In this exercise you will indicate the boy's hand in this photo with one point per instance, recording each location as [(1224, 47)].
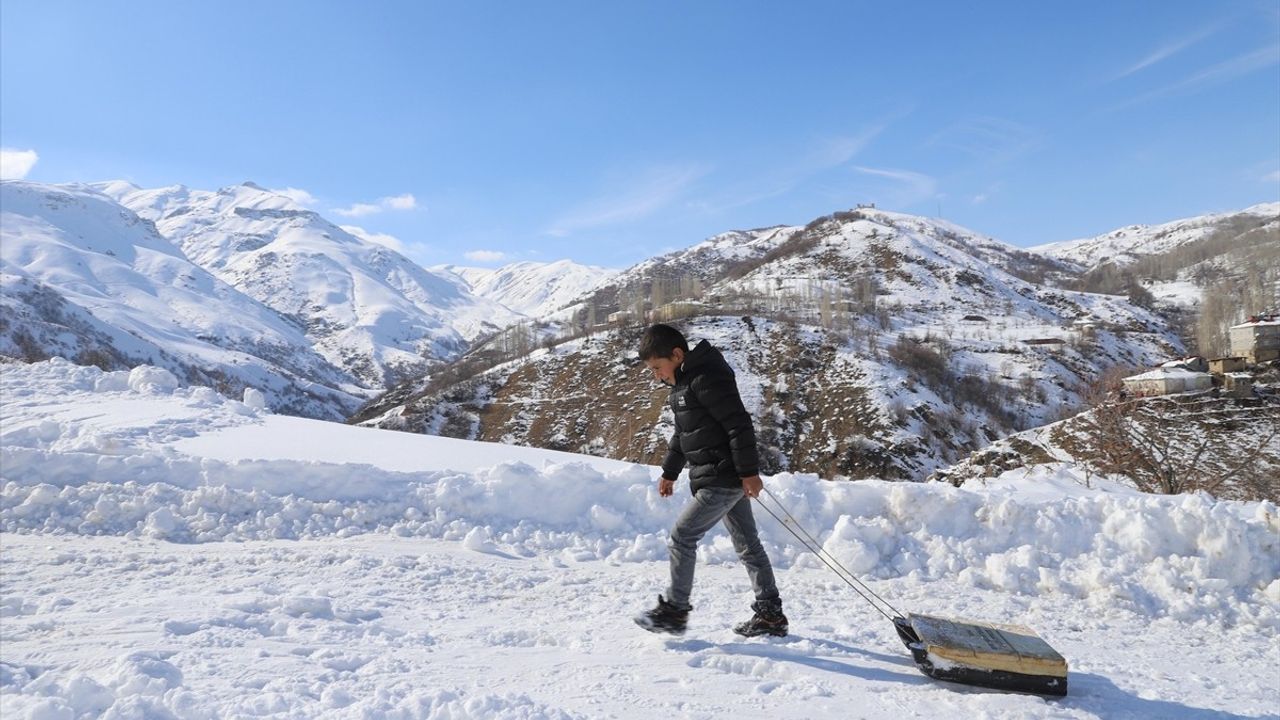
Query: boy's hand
[(752, 486), (666, 486)]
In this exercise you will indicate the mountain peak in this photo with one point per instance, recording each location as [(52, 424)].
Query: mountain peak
[(366, 308), (531, 287)]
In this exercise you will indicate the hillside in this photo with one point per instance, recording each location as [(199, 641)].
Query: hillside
[(1226, 446), (89, 280), (365, 307), (1128, 245), (1204, 274), (868, 344)]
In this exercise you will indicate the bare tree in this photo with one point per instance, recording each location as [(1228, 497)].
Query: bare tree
[(1173, 444)]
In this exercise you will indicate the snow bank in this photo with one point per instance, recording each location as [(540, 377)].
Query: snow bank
[(1192, 557)]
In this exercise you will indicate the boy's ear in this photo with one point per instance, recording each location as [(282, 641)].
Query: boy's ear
[(677, 354)]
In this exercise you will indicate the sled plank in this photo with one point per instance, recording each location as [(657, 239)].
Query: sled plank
[(995, 646)]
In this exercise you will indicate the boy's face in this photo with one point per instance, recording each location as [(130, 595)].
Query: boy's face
[(664, 368)]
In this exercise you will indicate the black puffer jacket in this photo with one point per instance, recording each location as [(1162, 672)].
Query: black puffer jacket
[(714, 434)]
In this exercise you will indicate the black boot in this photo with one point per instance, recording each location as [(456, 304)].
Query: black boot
[(666, 618), (768, 620)]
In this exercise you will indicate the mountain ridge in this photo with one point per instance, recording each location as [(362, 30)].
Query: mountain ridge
[(88, 278), (1123, 246), (367, 308), (533, 289)]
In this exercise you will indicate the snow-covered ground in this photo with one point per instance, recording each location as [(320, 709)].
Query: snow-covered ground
[(171, 553)]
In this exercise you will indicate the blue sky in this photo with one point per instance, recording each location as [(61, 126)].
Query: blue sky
[(607, 132)]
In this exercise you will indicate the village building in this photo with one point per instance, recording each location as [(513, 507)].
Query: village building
[(1238, 384), (1223, 365), (1257, 341), (1194, 364), (1167, 381), (676, 310)]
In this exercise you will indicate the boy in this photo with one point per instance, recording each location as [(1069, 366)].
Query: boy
[(714, 435)]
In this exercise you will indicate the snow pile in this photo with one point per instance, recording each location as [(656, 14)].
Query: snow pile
[(103, 463), (1188, 557)]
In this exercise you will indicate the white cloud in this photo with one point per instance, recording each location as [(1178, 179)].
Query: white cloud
[(913, 187), (987, 193), (837, 151), (359, 210), (826, 154), (15, 164), (989, 139), (1169, 50), (394, 202), (1213, 75), (383, 239), (399, 202), (1271, 177), (656, 189), (485, 256), (1247, 63), (302, 197)]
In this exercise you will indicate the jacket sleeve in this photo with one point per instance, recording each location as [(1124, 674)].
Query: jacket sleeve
[(673, 463), (718, 393)]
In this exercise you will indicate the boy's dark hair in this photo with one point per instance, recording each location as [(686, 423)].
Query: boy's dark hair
[(660, 341)]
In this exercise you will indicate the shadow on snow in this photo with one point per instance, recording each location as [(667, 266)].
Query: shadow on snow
[(1088, 691)]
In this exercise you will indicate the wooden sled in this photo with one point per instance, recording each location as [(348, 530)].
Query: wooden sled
[(1005, 657)]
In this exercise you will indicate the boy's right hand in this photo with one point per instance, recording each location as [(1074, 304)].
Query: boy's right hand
[(666, 486)]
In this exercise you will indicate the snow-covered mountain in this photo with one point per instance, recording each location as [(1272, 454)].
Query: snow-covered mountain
[(867, 343), (1127, 244), (533, 289), (85, 278), (923, 267), (365, 307), (1216, 270), (711, 259)]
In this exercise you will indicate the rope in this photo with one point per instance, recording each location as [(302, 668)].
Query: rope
[(812, 545)]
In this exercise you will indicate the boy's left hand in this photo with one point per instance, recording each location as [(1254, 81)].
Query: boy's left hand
[(666, 486), (752, 486)]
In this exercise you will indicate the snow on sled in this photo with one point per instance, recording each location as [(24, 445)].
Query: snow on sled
[(1005, 657)]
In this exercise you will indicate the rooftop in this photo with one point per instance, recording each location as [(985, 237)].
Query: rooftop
[(1163, 373)]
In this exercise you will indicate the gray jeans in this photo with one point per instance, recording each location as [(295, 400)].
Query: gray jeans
[(709, 506)]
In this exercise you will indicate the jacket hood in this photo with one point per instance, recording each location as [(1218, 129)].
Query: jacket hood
[(703, 355), (699, 355)]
